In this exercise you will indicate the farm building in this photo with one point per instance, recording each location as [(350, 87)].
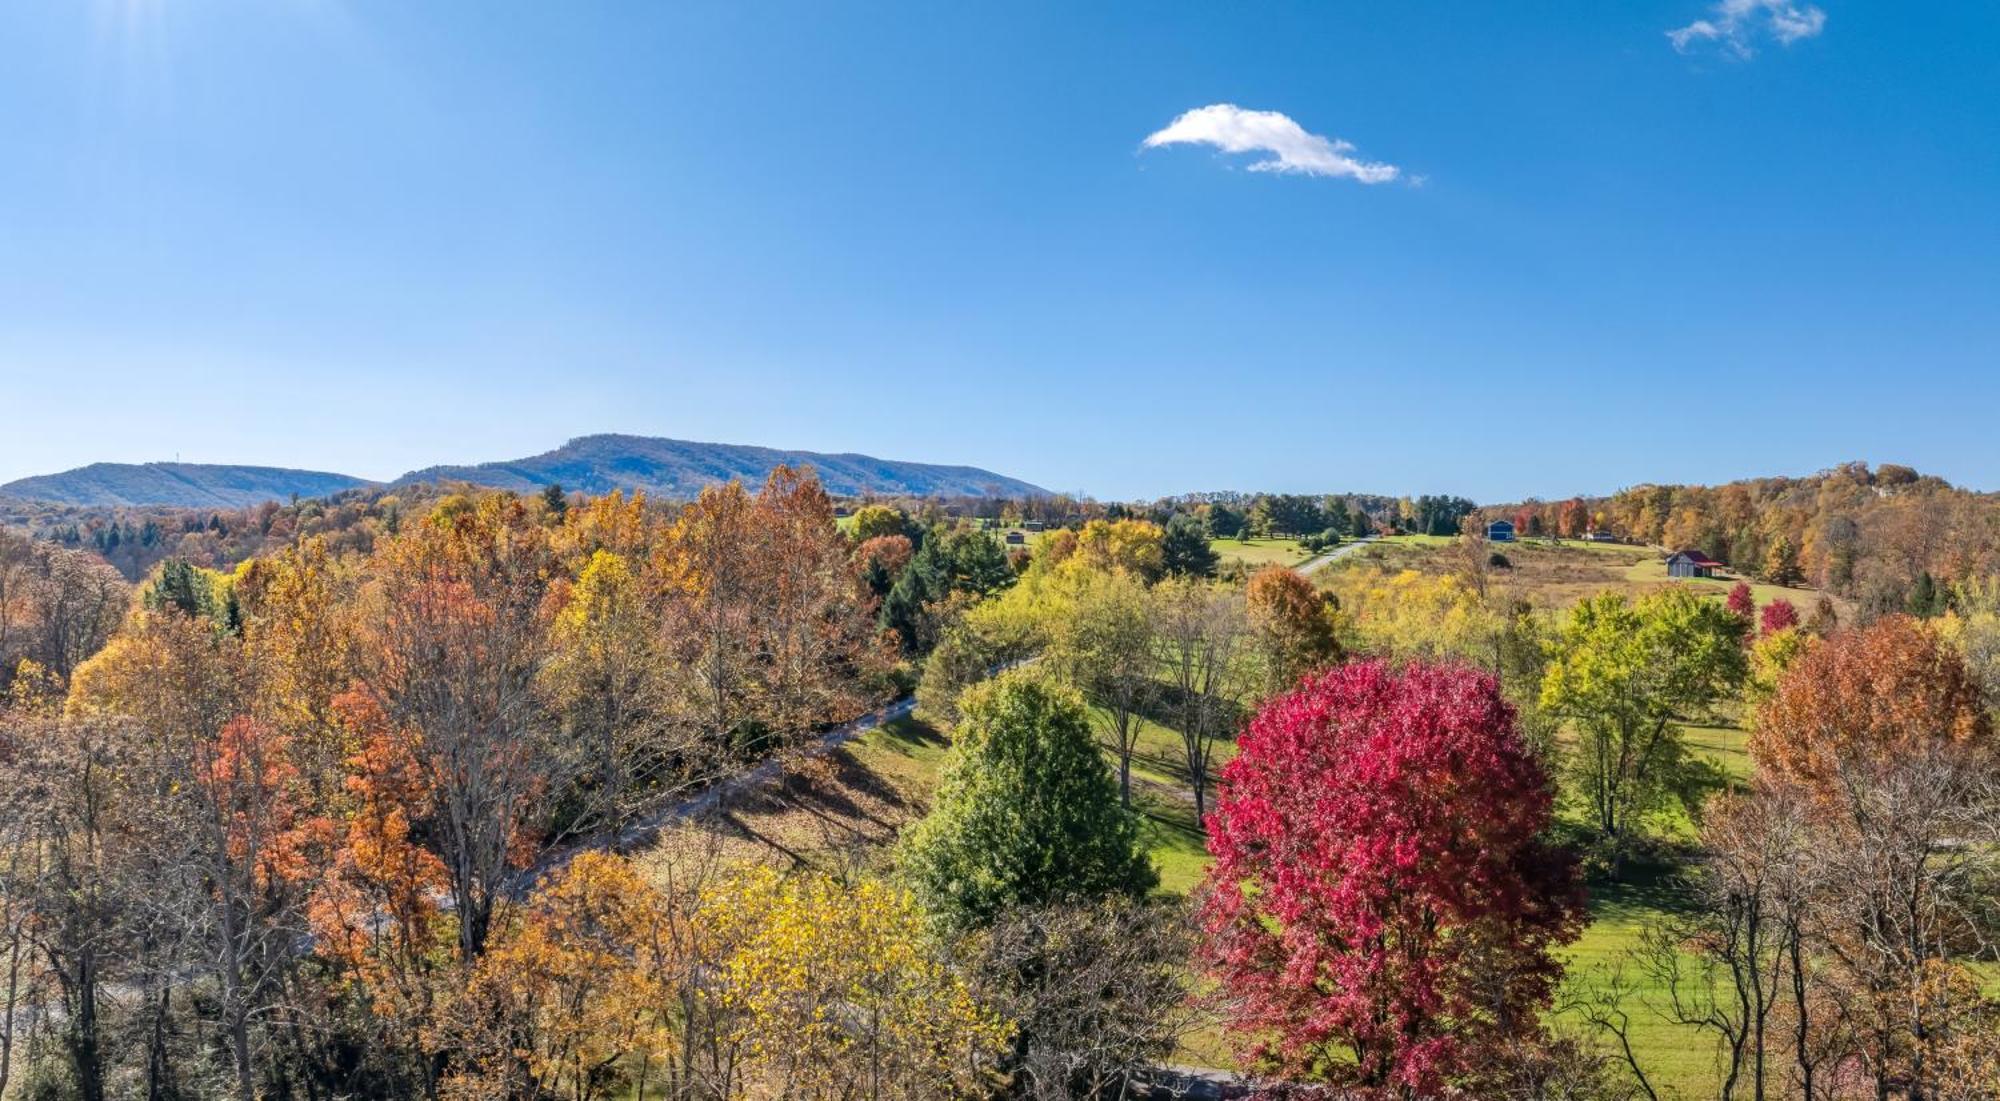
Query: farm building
[(1500, 531), (1691, 563), (1599, 536), (1015, 538)]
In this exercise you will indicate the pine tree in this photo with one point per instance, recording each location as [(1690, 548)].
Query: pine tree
[(1185, 551), (1028, 813), (1927, 599)]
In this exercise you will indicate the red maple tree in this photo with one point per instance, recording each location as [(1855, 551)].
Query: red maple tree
[(1383, 900), (1742, 601), (1778, 615)]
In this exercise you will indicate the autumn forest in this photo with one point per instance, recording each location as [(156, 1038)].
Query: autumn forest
[(447, 791)]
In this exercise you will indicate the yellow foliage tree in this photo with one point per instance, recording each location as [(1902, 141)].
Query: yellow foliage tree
[(1408, 614), (569, 990), (839, 993), (1134, 546)]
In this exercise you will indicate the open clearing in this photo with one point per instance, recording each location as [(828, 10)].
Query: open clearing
[(1555, 574), (1260, 552)]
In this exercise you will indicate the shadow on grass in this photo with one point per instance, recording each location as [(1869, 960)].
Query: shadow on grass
[(911, 737), (1643, 891)]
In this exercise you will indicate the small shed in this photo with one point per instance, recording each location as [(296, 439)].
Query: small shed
[(1034, 525), (1500, 531), (1015, 538), (1691, 563), (1599, 536)]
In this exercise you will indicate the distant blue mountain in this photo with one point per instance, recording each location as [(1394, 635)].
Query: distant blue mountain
[(181, 485), (592, 464), (679, 468)]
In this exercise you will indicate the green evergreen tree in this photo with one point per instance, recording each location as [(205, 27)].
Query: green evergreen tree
[(555, 499), (1185, 552), (978, 561), (1028, 813), (1927, 598)]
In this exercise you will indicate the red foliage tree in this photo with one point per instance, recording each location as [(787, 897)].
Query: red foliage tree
[(1779, 615), (1742, 602), (1382, 900)]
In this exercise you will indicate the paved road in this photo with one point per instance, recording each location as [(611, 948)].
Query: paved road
[(1336, 554)]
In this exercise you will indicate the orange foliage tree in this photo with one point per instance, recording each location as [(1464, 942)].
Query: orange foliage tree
[(1864, 699)]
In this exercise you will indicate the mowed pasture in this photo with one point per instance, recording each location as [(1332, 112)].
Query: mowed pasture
[(1257, 553)]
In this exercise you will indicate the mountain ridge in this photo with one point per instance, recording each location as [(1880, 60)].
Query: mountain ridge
[(681, 468), (179, 485), (593, 464)]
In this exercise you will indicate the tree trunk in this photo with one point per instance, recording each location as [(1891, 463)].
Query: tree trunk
[(85, 1054)]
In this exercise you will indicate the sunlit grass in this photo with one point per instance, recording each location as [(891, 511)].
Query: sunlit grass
[(1260, 552)]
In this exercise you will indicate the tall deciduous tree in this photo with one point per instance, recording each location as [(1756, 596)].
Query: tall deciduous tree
[(1293, 624), (71, 791), (1865, 699), (810, 633), (455, 644), (877, 522), (1781, 563), (1383, 907), (1134, 546), (1104, 644), (1204, 635), (1627, 676), (709, 572), (607, 683), (837, 993)]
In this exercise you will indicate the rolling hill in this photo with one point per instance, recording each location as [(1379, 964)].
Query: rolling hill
[(179, 485), (679, 468)]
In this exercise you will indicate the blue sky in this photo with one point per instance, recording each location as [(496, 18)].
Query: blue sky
[(369, 237)]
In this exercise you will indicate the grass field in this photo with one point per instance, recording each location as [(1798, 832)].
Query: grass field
[(1555, 574), (1652, 573), (1260, 552)]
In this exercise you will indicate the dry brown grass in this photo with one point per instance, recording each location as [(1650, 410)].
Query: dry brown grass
[(838, 811), (1557, 575)]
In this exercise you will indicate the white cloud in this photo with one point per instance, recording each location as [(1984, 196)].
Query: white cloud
[(1291, 147), (1735, 25)]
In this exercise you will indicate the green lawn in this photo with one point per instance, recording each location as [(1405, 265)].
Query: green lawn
[(1260, 552), (1678, 1059)]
